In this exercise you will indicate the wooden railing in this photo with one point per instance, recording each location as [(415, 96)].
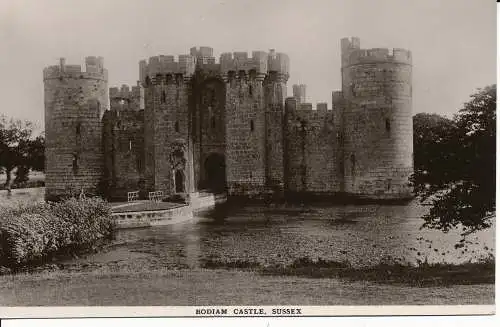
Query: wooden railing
[(156, 196), (132, 196)]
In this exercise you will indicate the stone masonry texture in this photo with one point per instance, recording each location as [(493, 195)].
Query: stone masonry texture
[(192, 124)]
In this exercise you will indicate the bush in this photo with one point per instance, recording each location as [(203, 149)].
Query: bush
[(36, 231)]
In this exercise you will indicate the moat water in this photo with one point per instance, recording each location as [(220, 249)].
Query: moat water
[(363, 235), (257, 234)]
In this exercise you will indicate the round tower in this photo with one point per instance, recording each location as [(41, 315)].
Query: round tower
[(75, 101), (377, 121)]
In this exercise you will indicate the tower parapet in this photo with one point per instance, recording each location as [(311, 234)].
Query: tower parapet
[(239, 61), (379, 55), (352, 54), (163, 65), (94, 69)]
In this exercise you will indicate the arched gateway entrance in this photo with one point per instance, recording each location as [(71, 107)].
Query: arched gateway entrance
[(215, 173)]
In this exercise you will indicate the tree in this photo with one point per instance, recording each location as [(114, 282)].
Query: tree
[(455, 164), (18, 149), (36, 153)]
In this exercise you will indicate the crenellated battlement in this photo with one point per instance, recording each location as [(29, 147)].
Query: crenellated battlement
[(166, 65), (94, 69), (239, 61), (261, 63), (305, 112), (379, 55), (202, 51), (125, 92), (352, 54)]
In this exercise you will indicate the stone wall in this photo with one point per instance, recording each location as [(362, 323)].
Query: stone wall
[(209, 133), (245, 130), (166, 116), (275, 94), (123, 140), (149, 138), (311, 150), (75, 101)]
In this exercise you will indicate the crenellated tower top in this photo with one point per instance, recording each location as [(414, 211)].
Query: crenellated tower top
[(166, 65), (94, 69), (352, 54)]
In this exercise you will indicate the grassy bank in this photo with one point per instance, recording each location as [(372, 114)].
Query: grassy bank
[(387, 271)]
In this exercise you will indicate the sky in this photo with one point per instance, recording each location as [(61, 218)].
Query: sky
[(453, 42)]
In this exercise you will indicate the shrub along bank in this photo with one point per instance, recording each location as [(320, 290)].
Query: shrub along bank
[(33, 233)]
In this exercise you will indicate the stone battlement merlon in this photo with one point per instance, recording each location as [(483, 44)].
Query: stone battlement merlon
[(94, 69)]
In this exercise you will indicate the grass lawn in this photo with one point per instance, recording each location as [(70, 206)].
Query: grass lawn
[(36, 179), (220, 287), (22, 195)]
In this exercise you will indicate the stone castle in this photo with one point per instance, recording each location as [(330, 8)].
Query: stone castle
[(228, 126)]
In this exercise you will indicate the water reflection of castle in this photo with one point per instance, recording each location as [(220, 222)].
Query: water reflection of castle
[(195, 124)]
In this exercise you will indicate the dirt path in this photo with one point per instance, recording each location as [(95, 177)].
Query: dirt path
[(220, 287)]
